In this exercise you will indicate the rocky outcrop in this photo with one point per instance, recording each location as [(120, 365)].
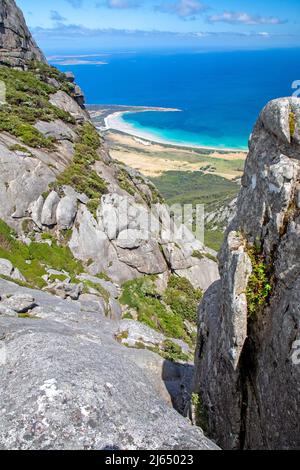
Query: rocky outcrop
[(85, 391), (16, 44), (249, 322), (69, 104)]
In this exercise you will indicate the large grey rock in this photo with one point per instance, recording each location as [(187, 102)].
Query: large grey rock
[(85, 390), (35, 209), (48, 216), (88, 240), (202, 274), (246, 372), (57, 129), (63, 101), (17, 46), (134, 333), (131, 238), (176, 257), (66, 212), (147, 259)]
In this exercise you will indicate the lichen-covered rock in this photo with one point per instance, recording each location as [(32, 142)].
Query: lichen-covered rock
[(249, 322)]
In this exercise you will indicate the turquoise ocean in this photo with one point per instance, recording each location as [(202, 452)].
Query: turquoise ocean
[(220, 94)]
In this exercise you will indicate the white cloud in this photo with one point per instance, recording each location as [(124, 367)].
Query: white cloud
[(122, 4), (183, 8), (243, 18)]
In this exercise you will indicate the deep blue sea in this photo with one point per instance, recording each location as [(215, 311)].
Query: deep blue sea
[(220, 94)]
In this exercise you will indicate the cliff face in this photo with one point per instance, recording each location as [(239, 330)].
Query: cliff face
[(249, 321), (16, 44)]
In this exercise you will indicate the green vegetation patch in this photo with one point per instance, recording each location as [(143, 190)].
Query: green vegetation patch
[(166, 313), (214, 239), (125, 182), (183, 299), (292, 123), (32, 260), (173, 352), (201, 416), (27, 101), (259, 285), (46, 71), (195, 187)]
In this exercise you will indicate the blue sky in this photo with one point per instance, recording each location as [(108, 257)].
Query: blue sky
[(96, 25)]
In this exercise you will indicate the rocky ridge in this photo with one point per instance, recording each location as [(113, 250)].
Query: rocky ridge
[(246, 376), (17, 46)]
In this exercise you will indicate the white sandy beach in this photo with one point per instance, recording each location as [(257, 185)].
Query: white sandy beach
[(116, 122)]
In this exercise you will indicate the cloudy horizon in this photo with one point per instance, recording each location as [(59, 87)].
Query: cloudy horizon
[(62, 25)]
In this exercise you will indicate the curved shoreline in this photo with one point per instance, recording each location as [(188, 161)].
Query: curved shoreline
[(115, 122)]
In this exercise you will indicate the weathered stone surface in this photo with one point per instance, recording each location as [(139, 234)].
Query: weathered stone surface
[(20, 303), (35, 210), (57, 129), (66, 212), (22, 181), (131, 238), (63, 101), (245, 371), (176, 257), (70, 192), (275, 117), (7, 311), (88, 240), (147, 259), (202, 274), (93, 390), (16, 44), (48, 216), (135, 334)]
